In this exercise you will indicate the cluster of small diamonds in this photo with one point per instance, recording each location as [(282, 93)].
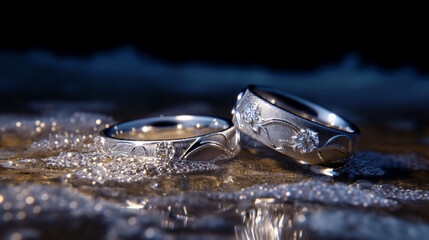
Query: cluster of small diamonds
[(165, 151), (251, 113), (305, 141)]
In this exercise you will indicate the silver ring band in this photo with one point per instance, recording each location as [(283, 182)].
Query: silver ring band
[(181, 137), (295, 127)]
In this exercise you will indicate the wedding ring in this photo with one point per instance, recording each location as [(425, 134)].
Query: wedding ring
[(295, 127), (181, 137)]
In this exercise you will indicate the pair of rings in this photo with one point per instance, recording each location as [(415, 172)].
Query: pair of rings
[(295, 127)]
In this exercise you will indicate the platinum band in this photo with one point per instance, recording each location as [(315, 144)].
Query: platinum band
[(183, 137), (295, 127)]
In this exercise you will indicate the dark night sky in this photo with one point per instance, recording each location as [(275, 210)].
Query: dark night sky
[(143, 61), (283, 43)]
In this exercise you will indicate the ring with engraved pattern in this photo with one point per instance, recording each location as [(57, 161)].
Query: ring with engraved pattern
[(183, 137), (302, 130)]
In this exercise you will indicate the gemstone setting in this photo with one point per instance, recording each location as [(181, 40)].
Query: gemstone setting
[(251, 113), (165, 151), (305, 141)]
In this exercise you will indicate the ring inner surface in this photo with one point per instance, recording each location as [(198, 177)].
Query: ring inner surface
[(167, 128), (304, 108)]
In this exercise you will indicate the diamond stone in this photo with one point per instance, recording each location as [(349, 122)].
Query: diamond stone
[(251, 113), (305, 141), (165, 151)]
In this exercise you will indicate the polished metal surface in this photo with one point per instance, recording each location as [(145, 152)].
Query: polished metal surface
[(183, 137), (295, 127)]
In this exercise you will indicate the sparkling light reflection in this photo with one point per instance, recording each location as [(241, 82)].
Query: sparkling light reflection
[(185, 118)]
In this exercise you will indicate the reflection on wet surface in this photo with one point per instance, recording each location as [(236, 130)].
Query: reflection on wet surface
[(54, 174), (268, 220)]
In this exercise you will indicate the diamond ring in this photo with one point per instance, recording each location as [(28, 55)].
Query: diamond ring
[(293, 126), (181, 137)]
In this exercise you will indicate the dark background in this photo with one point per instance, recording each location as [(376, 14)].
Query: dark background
[(389, 46), (283, 38), (339, 64)]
